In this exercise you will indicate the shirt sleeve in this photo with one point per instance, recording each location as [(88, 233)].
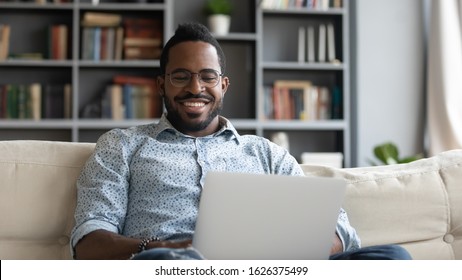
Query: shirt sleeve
[(347, 233), (102, 188)]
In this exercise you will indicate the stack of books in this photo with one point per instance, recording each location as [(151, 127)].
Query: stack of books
[(35, 101), (131, 97)]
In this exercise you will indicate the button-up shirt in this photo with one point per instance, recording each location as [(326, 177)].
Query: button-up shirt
[(146, 181)]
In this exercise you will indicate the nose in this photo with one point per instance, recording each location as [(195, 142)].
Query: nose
[(195, 84)]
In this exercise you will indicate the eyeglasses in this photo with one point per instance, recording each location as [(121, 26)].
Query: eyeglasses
[(207, 77)]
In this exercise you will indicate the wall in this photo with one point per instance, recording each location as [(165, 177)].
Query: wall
[(387, 76)]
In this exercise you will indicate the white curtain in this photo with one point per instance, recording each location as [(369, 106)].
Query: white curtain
[(444, 96)]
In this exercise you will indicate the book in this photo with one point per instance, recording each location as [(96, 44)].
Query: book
[(337, 3), (93, 19), (27, 56), (23, 98), (322, 43), (136, 80), (12, 101), (35, 95), (109, 49), (142, 42), (53, 101), (143, 27), (310, 44), (58, 38), (336, 103), (142, 52), (127, 100), (331, 44), (4, 41), (88, 46), (324, 104), (150, 86), (141, 101), (103, 43), (112, 106), (303, 91), (62, 42), (118, 48), (67, 101), (96, 55), (301, 44), (3, 101), (143, 38)]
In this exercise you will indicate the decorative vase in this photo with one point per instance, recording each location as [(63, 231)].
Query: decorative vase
[(219, 24)]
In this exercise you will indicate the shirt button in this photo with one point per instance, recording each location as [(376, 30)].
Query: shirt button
[(448, 238)]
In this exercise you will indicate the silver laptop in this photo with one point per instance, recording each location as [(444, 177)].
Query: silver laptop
[(267, 217)]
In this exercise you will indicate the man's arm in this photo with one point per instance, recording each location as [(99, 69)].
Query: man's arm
[(106, 245)]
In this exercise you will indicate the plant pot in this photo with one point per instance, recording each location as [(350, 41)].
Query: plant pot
[(219, 24)]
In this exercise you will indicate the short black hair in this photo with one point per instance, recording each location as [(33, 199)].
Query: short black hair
[(192, 31)]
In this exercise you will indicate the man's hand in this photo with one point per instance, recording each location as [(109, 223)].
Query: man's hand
[(105, 245), (169, 244)]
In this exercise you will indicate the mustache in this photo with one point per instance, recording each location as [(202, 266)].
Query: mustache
[(195, 96)]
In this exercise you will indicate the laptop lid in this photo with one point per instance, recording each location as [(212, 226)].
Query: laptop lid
[(250, 216)]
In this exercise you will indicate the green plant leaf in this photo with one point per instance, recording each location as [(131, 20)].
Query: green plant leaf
[(213, 7), (410, 159), (387, 153)]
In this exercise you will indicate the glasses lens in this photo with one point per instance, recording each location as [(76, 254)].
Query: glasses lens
[(180, 78), (207, 77)]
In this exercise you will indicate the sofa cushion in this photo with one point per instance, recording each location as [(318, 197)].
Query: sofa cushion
[(417, 205), (37, 197)]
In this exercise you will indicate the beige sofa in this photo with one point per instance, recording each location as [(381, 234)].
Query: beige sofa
[(417, 205)]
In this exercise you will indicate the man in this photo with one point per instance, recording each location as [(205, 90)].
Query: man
[(139, 192)]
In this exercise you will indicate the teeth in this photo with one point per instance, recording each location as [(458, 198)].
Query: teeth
[(194, 104)]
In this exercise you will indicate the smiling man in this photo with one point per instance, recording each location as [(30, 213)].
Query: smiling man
[(193, 86), (138, 193)]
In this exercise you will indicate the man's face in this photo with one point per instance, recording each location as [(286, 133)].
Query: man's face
[(194, 107)]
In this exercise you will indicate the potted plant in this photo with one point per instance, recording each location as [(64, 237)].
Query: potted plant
[(218, 16), (387, 153)]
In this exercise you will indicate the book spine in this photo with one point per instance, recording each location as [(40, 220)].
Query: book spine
[(322, 43), (35, 95)]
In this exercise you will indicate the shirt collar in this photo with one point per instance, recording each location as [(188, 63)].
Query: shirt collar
[(226, 127)]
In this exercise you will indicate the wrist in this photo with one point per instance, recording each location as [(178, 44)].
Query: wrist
[(143, 245)]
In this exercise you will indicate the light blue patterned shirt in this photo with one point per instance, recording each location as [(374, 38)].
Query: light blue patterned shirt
[(146, 181)]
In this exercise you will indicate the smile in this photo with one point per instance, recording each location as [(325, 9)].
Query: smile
[(194, 104)]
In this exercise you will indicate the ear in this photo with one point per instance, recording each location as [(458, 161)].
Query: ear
[(224, 85), (161, 85)]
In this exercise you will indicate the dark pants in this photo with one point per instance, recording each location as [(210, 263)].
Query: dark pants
[(384, 252)]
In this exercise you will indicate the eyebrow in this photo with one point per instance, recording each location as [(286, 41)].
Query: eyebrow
[(184, 69)]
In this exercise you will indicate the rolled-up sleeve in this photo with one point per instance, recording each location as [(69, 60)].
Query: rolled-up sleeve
[(102, 188), (347, 233)]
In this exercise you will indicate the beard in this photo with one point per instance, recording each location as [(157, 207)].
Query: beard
[(175, 118)]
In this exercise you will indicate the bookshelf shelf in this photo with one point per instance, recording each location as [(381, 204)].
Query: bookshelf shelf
[(119, 64), (34, 6), (30, 124), (303, 66), (36, 63), (304, 11), (261, 48)]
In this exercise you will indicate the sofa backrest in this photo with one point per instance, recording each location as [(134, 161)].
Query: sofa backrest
[(417, 205), (37, 197)]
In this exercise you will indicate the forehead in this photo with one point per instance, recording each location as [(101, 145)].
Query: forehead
[(193, 56)]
